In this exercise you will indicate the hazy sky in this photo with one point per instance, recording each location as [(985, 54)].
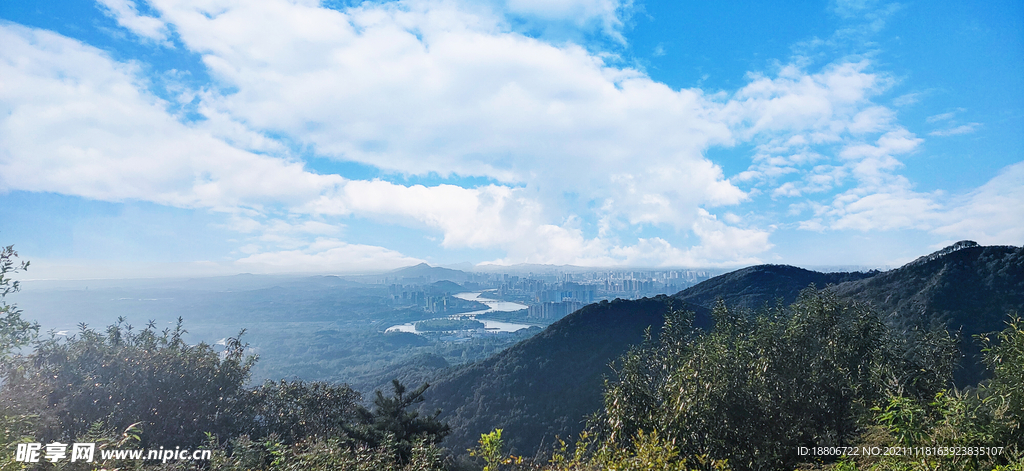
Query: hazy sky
[(224, 136)]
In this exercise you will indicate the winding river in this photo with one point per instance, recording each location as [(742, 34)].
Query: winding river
[(489, 325)]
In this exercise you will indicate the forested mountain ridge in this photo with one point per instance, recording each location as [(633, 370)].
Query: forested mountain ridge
[(969, 288), (547, 385), (752, 287), (965, 287)]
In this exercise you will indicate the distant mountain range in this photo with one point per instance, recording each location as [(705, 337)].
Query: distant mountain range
[(429, 274), (547, 385)]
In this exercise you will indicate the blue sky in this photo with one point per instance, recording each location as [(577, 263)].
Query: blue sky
[(191, 137)]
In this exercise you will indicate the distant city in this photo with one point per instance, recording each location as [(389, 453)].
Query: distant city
[(548, 296)]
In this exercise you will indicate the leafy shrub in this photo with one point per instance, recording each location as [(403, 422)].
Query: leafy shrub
[(756, 387), (1004, 356), (15, 332), (986, 416), (124, 376), (326, 453), (296, 410)]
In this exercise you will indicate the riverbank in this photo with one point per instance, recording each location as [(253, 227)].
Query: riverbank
[(490, 325)]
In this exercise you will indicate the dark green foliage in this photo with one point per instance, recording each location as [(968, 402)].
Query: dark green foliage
[(404, 339), (521, 316), (391, 420), (545, 387), (417, 369), (94, 385), (15, 332), (123, 376), (326, 454), (757, 386), (964, 288), (296, 410), (986, 416), (1004, 356), (317, 426), (753, 287), (366, 359), (448, 324)]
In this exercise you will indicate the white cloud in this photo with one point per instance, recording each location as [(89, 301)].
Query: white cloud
[(128, 17), (850, 8), (957, 130), (415, 90), (468, 217), (991, 214), (497, 216), (79, 123), (940, 117), (717, 238), (565, 9), (871, 120), (950, 123), (419, 87), (882, 211), (820, 132), (796, 119), (277, 232), (787, 189), (906, 99), (116, 142), (327, 256), (821, 105), (720, 245), (603, 12), (881, 199)]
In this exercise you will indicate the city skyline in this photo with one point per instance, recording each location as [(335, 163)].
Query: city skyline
[(212, 137)]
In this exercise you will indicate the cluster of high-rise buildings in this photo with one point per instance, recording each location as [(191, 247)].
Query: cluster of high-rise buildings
[(549, 296), (428, 300)]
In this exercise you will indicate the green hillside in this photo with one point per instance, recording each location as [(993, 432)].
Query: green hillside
[(544, 386), (547, 385)]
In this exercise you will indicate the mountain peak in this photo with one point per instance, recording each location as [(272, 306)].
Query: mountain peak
[(963, 244), (430, 273)]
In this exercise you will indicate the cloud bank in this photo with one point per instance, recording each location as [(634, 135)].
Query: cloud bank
[(578, 155)]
